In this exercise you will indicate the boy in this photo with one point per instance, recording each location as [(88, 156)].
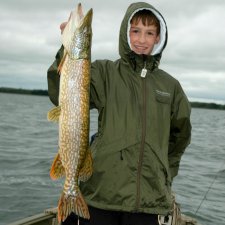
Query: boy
[(143, 125)]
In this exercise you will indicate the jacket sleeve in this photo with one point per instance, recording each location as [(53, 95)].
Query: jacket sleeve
[(97, 85), (180, 132), (53, 78)]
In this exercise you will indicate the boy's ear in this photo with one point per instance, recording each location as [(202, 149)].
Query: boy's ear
[(157, 39)]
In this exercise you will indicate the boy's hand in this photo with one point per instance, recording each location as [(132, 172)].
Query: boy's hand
[(63, 25)]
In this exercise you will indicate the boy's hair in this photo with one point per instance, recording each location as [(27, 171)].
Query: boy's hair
[(147, 17)]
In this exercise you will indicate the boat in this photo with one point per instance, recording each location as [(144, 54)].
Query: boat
[(49, 217)]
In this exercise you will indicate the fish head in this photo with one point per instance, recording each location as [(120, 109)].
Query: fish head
[(77, 34)]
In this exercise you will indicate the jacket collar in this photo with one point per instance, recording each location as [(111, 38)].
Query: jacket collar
[(139, 62)]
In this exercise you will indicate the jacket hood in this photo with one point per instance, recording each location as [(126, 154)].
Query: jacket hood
[(124, 46)]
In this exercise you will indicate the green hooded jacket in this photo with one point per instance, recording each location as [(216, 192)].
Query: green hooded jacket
[(143, 127)]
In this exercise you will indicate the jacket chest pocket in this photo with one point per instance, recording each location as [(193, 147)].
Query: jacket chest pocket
[(163, 106), (162, 97)]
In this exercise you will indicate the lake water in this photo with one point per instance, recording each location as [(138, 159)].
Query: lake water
[(28, 144)]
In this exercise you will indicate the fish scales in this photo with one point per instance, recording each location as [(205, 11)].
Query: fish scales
[(74, 118), (74, 158)]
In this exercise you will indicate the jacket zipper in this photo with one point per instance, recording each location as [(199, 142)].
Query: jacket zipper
[(143, 74)]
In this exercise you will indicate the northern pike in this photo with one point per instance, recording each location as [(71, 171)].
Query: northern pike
[(74, 158)]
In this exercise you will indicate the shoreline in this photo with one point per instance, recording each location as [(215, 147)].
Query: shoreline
[(41, 92), (23, 91)]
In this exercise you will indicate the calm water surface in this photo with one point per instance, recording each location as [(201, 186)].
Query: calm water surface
[(28, 144)]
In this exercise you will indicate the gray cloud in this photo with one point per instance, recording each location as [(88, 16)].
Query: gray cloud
[(30, 38)]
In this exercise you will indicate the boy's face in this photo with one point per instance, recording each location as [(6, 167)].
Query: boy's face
[(143, 38)]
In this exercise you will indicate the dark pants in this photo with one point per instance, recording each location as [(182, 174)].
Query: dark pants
[(106, 217)]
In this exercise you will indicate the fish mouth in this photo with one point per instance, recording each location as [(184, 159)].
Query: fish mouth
[(87, 20), (77, 35), (84, 20)]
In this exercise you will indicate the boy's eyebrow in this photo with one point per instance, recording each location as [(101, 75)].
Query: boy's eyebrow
[(136, 27)]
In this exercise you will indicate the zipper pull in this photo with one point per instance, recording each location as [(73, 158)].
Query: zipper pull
[(144, 71)]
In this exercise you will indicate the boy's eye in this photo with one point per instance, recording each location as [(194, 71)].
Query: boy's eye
[(151, 33), (134, 31)]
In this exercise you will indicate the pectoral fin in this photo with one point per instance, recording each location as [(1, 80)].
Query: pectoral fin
[(53, 114)]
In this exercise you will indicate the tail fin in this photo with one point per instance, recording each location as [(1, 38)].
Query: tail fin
[(69, 204)]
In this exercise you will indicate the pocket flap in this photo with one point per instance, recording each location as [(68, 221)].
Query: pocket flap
[(162, 96)]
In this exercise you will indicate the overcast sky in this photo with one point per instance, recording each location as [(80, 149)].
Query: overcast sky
[(195, 53)]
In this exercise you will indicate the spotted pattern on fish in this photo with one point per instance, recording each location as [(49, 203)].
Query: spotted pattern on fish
[(74, 157), (74, 119)]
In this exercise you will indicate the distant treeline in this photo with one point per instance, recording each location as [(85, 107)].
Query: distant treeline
[(23, 91), (207, 105), (45, 93)]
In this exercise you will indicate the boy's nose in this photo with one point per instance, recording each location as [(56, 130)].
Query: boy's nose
[(142, 38)]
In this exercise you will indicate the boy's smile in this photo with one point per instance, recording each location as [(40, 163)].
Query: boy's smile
[(143, 38)]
